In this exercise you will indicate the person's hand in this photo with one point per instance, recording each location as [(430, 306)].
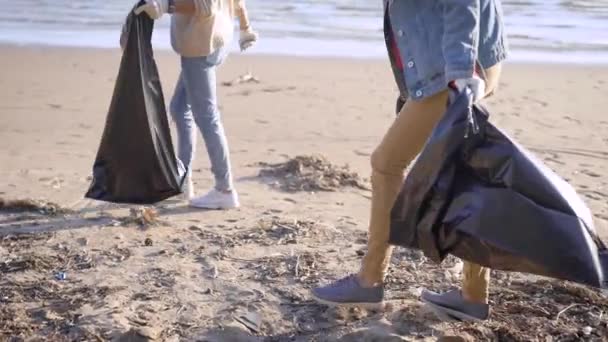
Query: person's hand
[(475, 84), (154, 8), (123, 37), (247, 39)]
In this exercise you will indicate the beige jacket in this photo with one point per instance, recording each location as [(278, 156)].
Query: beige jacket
[(200, 35)]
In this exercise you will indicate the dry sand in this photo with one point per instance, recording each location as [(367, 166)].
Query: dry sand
[(243, 275)]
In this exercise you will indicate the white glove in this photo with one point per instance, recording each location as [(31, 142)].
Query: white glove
[(247, 39), (154, 8), (123, 37), (475, 84)]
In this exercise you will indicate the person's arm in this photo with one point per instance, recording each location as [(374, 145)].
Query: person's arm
[(241, 13), (460, 37), (185, 7), (157, 8), (248, 37)]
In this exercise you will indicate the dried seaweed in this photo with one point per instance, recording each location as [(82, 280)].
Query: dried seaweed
[(312, 173)]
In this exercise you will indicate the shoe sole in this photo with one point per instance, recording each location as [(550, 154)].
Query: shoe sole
[(368, 306), (452, 315), (213, 207), (183, 197), (441, 315)]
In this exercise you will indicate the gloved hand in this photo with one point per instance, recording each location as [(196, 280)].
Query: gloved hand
[(247, 38), (475, 84), (123, 37), (154, 8)]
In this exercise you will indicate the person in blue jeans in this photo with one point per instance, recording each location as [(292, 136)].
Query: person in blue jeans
[(200, 33), (433, 45)]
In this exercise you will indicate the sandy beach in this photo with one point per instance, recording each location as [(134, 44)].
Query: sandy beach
[(244, 275)]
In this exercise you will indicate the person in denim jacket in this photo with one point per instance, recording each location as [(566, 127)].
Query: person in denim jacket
[(433, 45)]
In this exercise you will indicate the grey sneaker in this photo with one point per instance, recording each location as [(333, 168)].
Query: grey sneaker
[(348, 292), (452, 306)]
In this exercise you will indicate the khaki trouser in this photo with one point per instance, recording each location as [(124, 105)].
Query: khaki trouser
[(400, 145)]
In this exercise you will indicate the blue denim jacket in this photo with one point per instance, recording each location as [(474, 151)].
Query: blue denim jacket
[(433, 42)]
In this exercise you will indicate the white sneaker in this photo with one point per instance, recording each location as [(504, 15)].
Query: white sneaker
[(187, 190), (217, 200)]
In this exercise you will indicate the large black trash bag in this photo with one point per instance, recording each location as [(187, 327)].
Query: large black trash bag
[(135, 162), (476, 194)]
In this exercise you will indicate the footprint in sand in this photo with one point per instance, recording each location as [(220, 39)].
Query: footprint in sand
[(571, 119), (241, 93), (272, 90), (362, 153), (591, 174), (602, 217)]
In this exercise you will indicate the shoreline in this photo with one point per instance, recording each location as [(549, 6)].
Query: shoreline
[(519, 57)]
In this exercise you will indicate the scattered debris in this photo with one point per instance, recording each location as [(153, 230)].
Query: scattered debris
[(23, 261), (245, 78), (117, 254), (159, 278), (280, 232), (31, 205), (61, 276), (33, 304), (28, 262), (587, 330), (143, 217), (312, 173), (303, 268), (55, 319), (251, 321), (522, 310)]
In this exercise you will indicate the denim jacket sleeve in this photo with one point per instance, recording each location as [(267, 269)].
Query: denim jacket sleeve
[(460, 37)]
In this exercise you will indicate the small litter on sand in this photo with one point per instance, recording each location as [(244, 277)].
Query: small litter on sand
[(278, 232), (245, 78), (312, 173), (143, 217)]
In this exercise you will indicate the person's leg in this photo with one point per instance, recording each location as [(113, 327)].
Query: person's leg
[(476, 279), (200, 83), (186, 133), (471, 302), (475, 283), (403, 141)]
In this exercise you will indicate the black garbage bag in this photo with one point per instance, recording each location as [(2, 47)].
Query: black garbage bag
[(478, 195), (135, 162)]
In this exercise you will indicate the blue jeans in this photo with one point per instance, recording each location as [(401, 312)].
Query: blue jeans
[(195, 101)]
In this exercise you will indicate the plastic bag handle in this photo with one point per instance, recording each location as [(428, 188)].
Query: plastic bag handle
[(454, 93)]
